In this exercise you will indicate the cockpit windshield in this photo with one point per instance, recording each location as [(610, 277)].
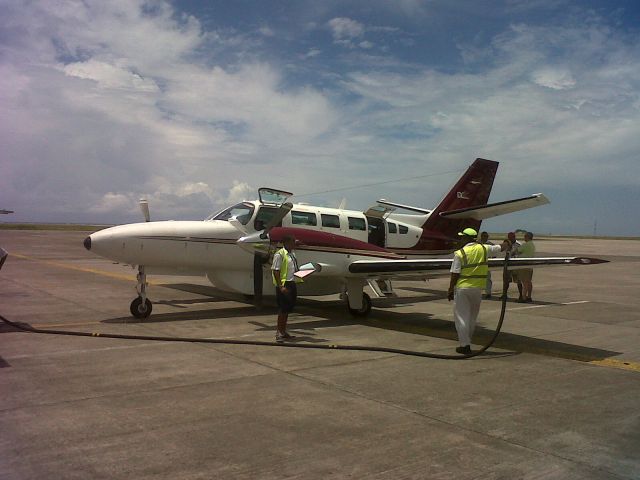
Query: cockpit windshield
[(242, 211)]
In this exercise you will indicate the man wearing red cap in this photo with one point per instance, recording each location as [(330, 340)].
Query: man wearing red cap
[(468, 278)]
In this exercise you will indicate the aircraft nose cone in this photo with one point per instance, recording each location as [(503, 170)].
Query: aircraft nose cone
[(87, 243)]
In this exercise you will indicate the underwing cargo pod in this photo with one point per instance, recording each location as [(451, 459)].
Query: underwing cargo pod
[(347, 249)]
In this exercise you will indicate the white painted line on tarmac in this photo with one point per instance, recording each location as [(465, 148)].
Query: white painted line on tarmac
[(549, 305), (85, 350)]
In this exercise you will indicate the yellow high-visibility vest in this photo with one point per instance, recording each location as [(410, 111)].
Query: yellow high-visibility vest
[(284, 268), (473, 259)]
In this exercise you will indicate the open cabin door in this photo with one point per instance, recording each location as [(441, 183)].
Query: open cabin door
[(377, 224)]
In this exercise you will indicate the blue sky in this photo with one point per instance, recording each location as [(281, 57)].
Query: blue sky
[(195, 104)]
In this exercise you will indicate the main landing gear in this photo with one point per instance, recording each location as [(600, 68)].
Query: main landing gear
[(141, 306), (364, 310)]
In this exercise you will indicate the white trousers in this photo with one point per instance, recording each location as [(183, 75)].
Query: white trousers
[(466, 306), (487, 290)]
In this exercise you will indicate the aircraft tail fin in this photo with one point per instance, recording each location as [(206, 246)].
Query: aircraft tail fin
[(471, 190)]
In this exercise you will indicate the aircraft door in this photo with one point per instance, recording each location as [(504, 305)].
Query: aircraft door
[(377, 234), (265, 214)]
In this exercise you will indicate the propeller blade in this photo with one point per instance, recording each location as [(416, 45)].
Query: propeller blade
[(277, 218), (144, 207)]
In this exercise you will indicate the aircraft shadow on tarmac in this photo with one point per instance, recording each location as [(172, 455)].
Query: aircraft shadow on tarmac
[(332, 313)]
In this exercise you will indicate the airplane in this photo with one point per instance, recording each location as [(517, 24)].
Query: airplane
[(346, 249)]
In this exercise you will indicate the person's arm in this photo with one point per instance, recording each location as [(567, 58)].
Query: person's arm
[(277, 262), (282, 288)]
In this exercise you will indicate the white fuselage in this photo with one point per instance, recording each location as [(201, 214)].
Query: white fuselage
[(210, 247)]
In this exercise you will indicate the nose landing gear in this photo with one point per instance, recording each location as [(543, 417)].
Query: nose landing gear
[(141, 306)]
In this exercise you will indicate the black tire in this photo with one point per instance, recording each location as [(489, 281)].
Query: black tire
[(141, 311), (366, 306)]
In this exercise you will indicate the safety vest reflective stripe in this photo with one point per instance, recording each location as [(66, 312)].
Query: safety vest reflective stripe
[(474, 269)]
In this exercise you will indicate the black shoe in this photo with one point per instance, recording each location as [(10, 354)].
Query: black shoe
[(528, 300), (521, 300), (466, 350), (487, 296)]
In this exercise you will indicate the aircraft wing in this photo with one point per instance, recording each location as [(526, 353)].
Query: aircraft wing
[(441, 266), (489, 210)]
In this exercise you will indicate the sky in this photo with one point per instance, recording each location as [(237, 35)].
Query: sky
[(195, 104)]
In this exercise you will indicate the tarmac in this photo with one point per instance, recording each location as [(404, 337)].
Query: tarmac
[(557, 397)]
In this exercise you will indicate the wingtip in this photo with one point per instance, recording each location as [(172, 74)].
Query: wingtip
[(588, 261)]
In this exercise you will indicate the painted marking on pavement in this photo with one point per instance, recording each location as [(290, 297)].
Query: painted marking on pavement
[(548, 305), (620, 364), (52, 326), (118, 276)]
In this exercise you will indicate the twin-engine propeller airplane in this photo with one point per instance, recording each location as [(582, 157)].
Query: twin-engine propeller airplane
[(346, 249)]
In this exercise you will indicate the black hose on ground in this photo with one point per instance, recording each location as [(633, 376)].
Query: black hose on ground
[(361, 348)]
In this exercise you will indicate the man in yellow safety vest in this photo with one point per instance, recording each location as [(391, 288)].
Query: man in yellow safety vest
[(283, 268), (468, 277)]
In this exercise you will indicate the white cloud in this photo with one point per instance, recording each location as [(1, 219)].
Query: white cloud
[(314, 52), (554, 78), (110, 76), (241, 191), (104, 102), (266, 31), (345, 28), (113, 202)]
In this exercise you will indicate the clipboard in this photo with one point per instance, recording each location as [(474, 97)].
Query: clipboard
[(307, 269), (303, 273)]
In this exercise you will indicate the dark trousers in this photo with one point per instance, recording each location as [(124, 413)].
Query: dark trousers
[(287, 301)]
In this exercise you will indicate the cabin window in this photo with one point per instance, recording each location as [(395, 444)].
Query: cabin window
[(303, 218), (357, 224), (331, 221), (392, 227), (403, 229), (242, 211), (264, 216)]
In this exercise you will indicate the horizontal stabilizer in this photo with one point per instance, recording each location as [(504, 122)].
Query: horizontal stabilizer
[(494, 209), (382, 201)]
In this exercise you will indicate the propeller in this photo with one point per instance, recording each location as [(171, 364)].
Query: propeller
[(144, 207)]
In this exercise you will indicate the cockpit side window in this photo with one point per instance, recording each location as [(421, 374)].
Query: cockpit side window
[(242, 211)]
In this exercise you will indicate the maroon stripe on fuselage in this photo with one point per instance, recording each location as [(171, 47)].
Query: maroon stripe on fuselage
[(324, 241)]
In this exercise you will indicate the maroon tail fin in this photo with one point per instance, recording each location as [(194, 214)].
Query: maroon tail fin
[(471, 190)]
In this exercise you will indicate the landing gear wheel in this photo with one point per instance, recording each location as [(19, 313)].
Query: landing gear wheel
[(140, 310), (366, 307)]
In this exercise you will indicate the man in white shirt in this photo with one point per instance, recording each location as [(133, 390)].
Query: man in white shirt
[(513, 274), (283, 268), (468, 277)]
